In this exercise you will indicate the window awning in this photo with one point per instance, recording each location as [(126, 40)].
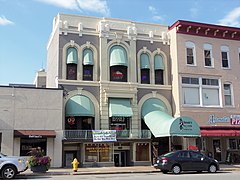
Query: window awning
[(161, 124), (144, 60), (72, 57), (35, 133), (158, 62), (120, 107), (79, 106), (118, 56), (87, 57), (220, 131)]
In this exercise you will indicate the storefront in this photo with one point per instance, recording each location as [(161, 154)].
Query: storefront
[(221, 138), (30, 139)]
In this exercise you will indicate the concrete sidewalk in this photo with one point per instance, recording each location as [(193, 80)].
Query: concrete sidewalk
[(112, 170)]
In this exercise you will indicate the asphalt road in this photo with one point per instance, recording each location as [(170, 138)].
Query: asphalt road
[(143, 176)]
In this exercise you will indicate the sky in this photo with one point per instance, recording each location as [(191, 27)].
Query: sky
[(25, 25)]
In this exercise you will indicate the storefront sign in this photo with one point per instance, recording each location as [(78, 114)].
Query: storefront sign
[(35, 136), (235, 119), (104, 135), (212, 119)]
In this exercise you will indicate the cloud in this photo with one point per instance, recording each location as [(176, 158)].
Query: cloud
[(232, 18), (155, 15), (4, 21), (97, 6)]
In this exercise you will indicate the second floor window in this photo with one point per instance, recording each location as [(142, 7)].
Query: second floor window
[(72, 61), (227, 95), (145, 68), (118, 64), (225, 56), (159, 69), (88, 64), (190, 52), (208, 55)]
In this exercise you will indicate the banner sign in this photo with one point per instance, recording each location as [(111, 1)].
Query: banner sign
[(104, 135)]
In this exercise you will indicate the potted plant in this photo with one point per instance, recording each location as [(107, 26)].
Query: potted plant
[(38, 162)]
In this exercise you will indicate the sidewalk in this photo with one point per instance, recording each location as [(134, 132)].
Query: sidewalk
[(112, 170)]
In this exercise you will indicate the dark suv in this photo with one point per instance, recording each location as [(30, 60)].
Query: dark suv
[(186, 160)]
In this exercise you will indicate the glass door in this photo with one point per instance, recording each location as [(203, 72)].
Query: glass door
[(217, 153)]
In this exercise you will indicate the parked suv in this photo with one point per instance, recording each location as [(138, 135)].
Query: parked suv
[(12, 165), (186, 160)]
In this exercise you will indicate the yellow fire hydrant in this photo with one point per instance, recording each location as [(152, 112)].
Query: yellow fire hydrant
[(75, 164)]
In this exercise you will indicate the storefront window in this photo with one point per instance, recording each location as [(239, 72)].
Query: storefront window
[(233, 144), (142, 152), (98, 152), (28, 144)]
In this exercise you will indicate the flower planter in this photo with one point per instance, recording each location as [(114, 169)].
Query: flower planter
[(39, 169)]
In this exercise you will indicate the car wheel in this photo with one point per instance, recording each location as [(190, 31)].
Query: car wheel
[(164, 171), (176, 169), (212, 168), (8, 172)]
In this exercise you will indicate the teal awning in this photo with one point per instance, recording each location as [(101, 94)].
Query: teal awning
[(72, 57), (144, 60), (87, 57), (161, 124), (158, 62), (79, 106), (118, 56), (120, 107)]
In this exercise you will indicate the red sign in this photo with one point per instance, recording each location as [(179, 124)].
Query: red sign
[(71, 120)]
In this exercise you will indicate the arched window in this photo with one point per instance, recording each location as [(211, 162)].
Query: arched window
[(118, 64), (145, 68), (159, 69), (72, 60), (88, 64)]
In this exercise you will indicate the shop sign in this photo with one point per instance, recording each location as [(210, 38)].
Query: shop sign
[(97, 149), (35, 136), (118, 119), (235, 119), (104, 135)]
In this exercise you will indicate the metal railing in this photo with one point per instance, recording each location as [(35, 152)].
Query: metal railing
[(120, 134)]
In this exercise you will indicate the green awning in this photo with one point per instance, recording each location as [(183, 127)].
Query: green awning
[(118, 56), (161, 124), (120, 107), (144, 60), (87, 57), (79, 106), (158, 62), (72, 57)]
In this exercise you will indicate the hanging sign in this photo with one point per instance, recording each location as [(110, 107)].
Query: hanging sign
[(104, 135)]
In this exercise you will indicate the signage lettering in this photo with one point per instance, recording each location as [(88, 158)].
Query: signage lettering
[(212, 119)]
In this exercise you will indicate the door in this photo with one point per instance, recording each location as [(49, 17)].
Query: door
[(120, 158), (217, 153), (69, 156), (117, 159)]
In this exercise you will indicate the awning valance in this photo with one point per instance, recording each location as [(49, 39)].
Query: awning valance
[(79, 106), (35, 133), (87, 57), (216, 131), (118, 56), (144, 61), (120, 107), (72, 57), (161, 124)]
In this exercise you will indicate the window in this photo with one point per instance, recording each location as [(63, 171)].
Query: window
[(118, 64), (227, 95), (145, 68), (72, 60), (200, 91), (142, 152), (98, 152), (225, 56), (208, 55), (88, 64), (190, 51), (159, 69)]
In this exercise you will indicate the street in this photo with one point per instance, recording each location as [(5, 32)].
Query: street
[(142, 176)]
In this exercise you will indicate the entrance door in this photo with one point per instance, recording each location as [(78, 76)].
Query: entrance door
[(217, 149), (120, 158), (69, 156)]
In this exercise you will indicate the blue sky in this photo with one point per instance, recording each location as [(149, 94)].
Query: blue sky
[(25, 25)]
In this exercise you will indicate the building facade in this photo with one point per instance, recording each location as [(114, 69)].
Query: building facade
[(114, 74), (205, 68)]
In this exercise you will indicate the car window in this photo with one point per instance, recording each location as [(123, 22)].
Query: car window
[(196, 155), (184, 154)]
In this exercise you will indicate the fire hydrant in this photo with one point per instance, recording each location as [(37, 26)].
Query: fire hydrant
[(75, 164)]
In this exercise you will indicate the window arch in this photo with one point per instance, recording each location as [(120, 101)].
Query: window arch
[(88, 62), (145, 68), (72, 61), (159, 69), (118, 64)]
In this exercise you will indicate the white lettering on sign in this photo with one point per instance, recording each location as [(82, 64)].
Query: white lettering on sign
[(212, 119), (235, 119)]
